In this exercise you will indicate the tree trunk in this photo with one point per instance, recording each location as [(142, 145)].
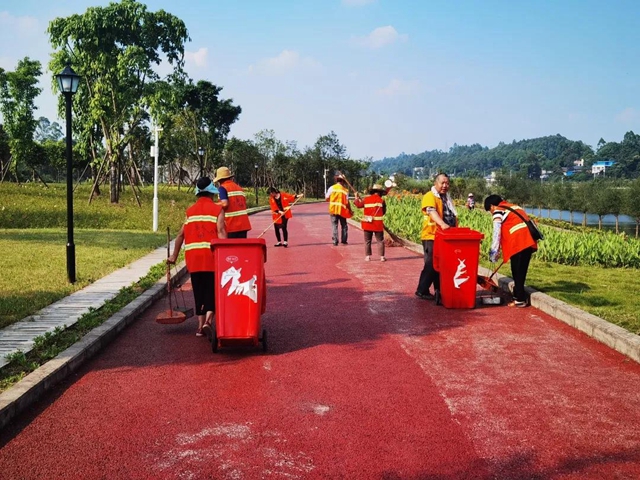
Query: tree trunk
[(584, 219), (113, 183), (36, 173), (599, 222), (571, 217), (617, 225)]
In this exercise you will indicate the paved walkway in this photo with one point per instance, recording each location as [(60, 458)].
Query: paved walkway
[(66, 312)]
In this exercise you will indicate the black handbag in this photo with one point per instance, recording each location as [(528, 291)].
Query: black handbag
[(535, 232)]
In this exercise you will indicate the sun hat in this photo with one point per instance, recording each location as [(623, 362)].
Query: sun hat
[(377, 188), (222, 173), (204, 184), (471, 194)]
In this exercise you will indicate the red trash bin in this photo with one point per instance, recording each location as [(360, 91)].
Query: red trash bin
[(456, 252), (240, 291)]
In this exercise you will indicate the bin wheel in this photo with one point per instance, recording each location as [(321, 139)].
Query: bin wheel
[(437, 295), (214, 341), (264, 341)]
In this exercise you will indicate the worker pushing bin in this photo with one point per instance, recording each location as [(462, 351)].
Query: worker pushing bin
[(240, 291), (455, 255)]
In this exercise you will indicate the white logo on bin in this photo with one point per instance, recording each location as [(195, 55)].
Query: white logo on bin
[(231, 259), (458, 278), (248, 288)]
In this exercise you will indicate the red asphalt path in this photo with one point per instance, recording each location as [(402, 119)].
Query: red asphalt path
[(362, 380)]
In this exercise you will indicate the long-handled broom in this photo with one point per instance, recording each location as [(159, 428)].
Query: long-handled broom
[(174, 314)]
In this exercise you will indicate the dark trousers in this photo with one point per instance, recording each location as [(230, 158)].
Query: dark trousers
[(519, 268), (428, 275), (282, 226), (368, 236), (241, 234), (335, 219)]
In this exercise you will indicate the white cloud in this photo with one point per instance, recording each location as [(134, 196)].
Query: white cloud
[(356, 3), (198, 59), (22, 26), (380, 37), (286, 61), (628, 115), (398, 87)]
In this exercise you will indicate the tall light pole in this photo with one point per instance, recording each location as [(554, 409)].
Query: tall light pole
[(156, 155), (68, 82), (256, 183), (201, 160)]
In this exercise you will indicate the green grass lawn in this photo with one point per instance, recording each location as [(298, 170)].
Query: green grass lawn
[(34, 272), (609, 293)]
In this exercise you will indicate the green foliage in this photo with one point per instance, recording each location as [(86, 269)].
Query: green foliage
[(18, 91)]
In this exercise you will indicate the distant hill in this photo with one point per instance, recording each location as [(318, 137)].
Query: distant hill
[(549, 153)]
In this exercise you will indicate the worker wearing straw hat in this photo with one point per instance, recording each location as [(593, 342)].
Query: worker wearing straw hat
[(372, 219), (339, 208), (205, 222), (234, 203)]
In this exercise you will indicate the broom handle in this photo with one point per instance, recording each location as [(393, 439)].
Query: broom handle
[(496, 270), (279, 217)]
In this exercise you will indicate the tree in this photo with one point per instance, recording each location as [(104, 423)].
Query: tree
[(632, 203), (115, 49), (45, 130), (18, 91), (5, 152)]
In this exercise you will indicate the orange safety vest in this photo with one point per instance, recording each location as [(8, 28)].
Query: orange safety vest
[(199, 229), (286, 200), (339, 201), (236, 218), (514, 234), (373, 213)]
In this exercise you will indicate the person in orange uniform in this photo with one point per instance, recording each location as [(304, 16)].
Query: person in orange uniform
[(205, 221), (339, 209), (280, 203), (438, 213), (373, 219), (234, 203), (511, 234)]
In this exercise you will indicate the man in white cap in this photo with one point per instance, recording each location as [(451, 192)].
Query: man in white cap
[(234, 203), (339, 209), (471, 202)]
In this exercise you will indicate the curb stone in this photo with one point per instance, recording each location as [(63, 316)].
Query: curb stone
[(23, 394)]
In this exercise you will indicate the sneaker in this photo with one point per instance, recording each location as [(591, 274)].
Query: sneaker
[(278, 244), (345, 243), (424, 296), (285, 244), (518, 304), (382, 259), (367, 258), (335, 244)]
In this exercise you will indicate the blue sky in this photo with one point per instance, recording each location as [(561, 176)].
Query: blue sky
[(393, 76)]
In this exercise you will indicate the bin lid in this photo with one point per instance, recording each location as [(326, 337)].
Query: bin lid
[(240, 242), (460, 233)]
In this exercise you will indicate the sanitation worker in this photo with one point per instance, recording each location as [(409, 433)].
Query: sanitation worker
[(372, 222), (280, 203), (511, 234), (471, 202), (438, 213), (234, 203), (205, 221), (339, 209)]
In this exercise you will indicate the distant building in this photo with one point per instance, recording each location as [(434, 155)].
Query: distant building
[(578, 163), (601, 166), (491, 178)]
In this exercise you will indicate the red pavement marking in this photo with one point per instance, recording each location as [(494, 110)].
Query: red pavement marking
[(362, 380)]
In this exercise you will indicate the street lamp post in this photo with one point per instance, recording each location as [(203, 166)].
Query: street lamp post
[(256, 183), (201, 158), (68, 82)]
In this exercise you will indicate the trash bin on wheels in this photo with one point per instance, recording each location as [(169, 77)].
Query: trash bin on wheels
[(456, 252), (240, 291)]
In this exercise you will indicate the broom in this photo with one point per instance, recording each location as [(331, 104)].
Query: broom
[(177, 314)]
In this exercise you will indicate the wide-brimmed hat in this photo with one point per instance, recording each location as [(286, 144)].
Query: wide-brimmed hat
[(471, 194), (222, 173), (205, 185), (377, 188)]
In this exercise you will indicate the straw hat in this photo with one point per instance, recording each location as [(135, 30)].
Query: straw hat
[(222, 173), (471, 194), (377, 188)]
